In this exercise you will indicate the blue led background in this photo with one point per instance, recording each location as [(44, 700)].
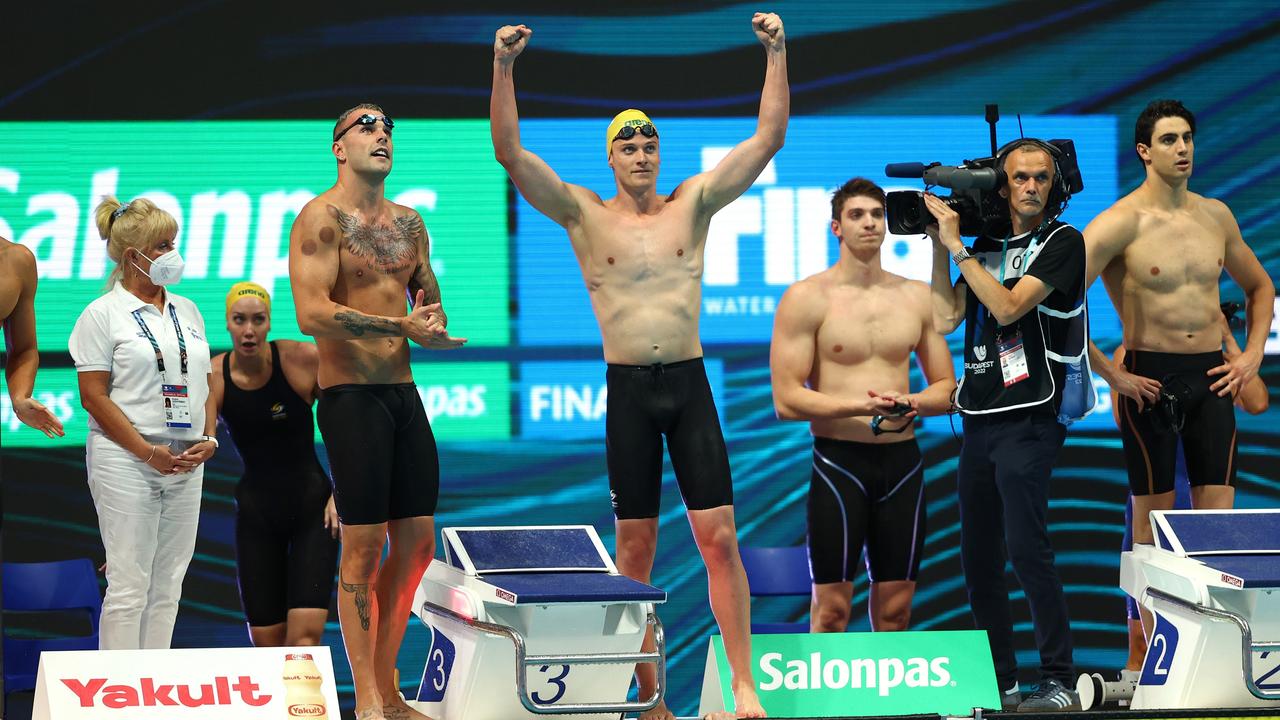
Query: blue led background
[(871, 82)]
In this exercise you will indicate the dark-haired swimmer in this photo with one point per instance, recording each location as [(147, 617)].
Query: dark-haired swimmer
[(353, 256), (841, 356), (1161, 251), (641, 254)]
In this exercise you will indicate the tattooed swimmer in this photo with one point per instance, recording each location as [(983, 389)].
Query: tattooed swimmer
[(353, 257)]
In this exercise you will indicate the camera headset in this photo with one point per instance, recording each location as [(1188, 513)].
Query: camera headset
[(1064, 184)]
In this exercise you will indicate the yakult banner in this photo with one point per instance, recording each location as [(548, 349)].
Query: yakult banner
[(860, 673), (209, 684), (235, 188)]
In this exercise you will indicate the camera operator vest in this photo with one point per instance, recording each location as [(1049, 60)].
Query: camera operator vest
[(1040, 360)]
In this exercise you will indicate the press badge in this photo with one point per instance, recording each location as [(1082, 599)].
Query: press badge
[(177, 406), (1013, 359)]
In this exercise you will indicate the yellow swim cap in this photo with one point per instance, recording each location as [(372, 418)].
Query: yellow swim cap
[(247, 289), (631, 117)]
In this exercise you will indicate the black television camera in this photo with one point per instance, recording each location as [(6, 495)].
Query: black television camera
[(975, 187)]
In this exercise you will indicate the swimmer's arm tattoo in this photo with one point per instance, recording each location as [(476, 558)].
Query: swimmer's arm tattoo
[(424, 277), (362, 601), (358, 324)]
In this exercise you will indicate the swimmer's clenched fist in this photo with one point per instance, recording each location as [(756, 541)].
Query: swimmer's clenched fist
[(768, 28), (510, 41)]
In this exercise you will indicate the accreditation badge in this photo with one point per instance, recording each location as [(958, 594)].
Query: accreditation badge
[(1013, 359), (177, 406)]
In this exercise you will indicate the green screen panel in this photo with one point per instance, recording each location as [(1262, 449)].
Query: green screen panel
[(465, 401), (235, 188), (58, 390)]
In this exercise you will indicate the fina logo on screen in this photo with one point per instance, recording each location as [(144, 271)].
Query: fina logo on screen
[(794, 224)]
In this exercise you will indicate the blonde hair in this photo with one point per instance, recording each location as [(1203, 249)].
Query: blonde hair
[(137, 224)]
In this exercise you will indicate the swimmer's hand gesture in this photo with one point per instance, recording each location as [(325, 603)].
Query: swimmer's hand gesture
[(510, 41), (425, 325), (32, 412), (900, 405), (874, 404), (768, 28)]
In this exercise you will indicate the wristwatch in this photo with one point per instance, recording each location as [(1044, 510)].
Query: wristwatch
[(210, 438), (961, 255)]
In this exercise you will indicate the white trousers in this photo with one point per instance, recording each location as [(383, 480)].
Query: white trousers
[(148, 523)]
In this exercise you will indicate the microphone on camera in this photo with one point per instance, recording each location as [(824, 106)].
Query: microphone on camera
[(905, 170)]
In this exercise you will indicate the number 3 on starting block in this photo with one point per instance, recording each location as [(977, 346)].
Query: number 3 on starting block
[(556, 681), (1164, 643), (435, 676)]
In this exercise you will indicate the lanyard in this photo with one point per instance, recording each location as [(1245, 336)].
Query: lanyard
[(1026, 254), (182, 341), (1026, 258)]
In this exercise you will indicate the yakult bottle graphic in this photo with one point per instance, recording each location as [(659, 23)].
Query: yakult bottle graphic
[(302, 696)]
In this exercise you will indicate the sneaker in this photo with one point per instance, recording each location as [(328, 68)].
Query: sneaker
[(1010, 699), (1051, 696)]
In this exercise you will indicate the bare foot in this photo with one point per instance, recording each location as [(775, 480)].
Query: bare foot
[(747, 702), (720, 716), (658, 713), (370, 713), (395, 708)]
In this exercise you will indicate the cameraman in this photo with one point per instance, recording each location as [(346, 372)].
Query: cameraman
[(1022, 296)]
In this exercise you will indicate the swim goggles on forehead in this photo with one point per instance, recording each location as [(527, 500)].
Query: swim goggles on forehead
[(626, 132), (366, 119)]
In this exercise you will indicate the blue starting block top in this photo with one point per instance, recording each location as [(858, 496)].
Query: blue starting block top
[(1242, 544), (1194, 533), (544, 564), (524, 549)]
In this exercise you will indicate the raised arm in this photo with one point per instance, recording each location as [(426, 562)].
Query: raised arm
[(791, 356), (23, 357), (1260, 297), (947, 298), (1007, 305), (537, 182), (740, 168)]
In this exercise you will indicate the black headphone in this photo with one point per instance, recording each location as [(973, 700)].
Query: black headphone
[(1061, 190)]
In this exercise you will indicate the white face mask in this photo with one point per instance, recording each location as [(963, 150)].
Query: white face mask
[(166, 269)]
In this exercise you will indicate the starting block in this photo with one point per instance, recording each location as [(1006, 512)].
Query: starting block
[(533, 621), (1212, 582)]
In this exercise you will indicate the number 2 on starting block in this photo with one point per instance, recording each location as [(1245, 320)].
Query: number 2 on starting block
[(1164, 643)]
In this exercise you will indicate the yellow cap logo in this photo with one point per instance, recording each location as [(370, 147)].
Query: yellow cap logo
[(630, 117), (247, 289)]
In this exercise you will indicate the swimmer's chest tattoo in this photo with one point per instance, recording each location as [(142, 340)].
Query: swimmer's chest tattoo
[(387, 249)]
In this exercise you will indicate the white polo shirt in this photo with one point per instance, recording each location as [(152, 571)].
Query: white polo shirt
[(107, 338)]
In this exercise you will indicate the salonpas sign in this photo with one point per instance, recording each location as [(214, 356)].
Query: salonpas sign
[(839, 674), (235, 189)]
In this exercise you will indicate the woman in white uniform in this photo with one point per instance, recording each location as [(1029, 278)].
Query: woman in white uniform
[(143, 363)]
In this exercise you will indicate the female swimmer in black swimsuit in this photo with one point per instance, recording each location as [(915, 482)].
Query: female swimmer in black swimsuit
[(286, 524)]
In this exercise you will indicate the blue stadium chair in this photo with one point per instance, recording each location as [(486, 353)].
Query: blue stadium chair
[(42, 587), (777, 572)]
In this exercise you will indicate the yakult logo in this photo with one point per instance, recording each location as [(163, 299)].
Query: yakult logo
[(307, 710), (147, 693), (882, 675)]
